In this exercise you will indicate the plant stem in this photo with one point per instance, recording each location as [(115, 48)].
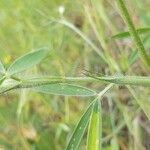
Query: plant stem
[(33, 82), (133, 32), (126, 80)]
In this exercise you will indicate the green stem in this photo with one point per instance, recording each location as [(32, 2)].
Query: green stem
[(126, 80), (133, 32), (33, 82), (121, 80)]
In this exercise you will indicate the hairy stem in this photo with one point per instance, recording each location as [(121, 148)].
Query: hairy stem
[(133, 32)]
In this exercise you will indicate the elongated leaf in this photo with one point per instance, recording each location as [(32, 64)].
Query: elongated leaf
[(133, 57), (79, 130), (8, 84), (95, 128), (22, 101), (134, 54), (27, 61), (65, 89), (145, 105), (2, 79), (2, 69), (127, 34), (125, 80)]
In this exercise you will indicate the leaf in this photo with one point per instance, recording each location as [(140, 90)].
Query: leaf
[(8, 84), (65, 89), (27, 61), (22, 101), (133, 57), (95, 128), (2, 68), (80, 129), (2, 79), (134, 54), (124, 80), (127, 34), (145, 105)]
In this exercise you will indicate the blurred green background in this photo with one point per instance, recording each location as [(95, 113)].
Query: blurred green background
[(34, 121)]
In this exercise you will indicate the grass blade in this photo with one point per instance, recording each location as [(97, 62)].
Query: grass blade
[(83, 36), (133, 57), (145, 105), (65, 89), (127, 34), (142, 102), (27, 61), (80, 129), (133, 32), (134, 54), (95, 128)]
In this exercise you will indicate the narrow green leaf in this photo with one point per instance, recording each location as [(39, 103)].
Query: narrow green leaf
[(22, 101), (2, 79), (2, 68), (65, 89), (79, 130), (134, 54), (125, 80), (8, 84), (133, 57), (95, 128), (27, 61), (145, 105), (127, 34), (50, 82)]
